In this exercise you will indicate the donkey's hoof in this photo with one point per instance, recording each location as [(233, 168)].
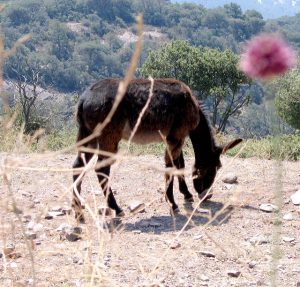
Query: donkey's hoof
[(174, 211), (80, 218), (120, 214), (188, 200), (205, 196)]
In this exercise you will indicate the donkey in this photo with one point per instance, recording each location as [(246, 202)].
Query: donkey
[(172, 115)]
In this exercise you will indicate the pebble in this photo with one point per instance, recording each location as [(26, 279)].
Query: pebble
[(77, 260), (252, 264), (288, 239), (260, 239), (52, 214), (204, 278), (13, 265), (207, 254), (234, 273), (154, 223), (31, 235), (268, 207), (229, 178), (175, 245), (296, 197), (26, 218), (137, 206), (288, 216), (71, 233)]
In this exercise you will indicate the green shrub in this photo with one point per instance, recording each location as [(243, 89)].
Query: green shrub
[(284, 147)]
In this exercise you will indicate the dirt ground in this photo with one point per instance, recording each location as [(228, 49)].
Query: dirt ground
[(228, 242)]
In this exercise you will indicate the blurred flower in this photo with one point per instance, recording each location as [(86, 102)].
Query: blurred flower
[(267, 55)]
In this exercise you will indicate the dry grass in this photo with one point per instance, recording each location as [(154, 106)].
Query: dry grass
[(137, 255)]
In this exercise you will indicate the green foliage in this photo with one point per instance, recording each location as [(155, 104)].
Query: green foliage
[(64, 30), (287, 99), (59, 139), (289, 148), (213, 73)]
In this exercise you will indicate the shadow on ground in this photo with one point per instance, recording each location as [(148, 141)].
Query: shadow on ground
[(213, 213)]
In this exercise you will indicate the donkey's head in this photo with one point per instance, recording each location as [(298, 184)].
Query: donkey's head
[(204, 175)]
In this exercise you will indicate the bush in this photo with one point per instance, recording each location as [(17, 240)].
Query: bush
[(284, 147)]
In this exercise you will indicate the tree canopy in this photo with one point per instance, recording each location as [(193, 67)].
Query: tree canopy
[(210, 72), (287, 99)]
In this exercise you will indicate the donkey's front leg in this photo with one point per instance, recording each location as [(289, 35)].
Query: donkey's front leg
[(188, 197), (169, 185), (103, 175)]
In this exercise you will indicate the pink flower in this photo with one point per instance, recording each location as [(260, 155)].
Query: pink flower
[(266, 56)]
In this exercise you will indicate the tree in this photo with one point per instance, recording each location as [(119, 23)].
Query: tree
[(287, 99), (61, 37), (212, 73), (25, 74)]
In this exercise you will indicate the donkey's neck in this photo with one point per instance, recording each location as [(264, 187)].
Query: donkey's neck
[(203, 142)]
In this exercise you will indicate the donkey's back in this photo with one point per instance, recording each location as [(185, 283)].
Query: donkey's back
[(172, 109)]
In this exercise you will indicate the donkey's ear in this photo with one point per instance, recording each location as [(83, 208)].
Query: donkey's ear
[(231, 145)]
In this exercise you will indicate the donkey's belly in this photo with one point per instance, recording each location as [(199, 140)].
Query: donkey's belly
[(143, 135)]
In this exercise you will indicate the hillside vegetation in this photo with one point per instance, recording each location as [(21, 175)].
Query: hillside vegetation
[(75, 42)]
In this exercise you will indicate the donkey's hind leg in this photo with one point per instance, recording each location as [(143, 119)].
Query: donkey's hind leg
[(103, 171), (188, 197), (171, 158), (81, 160)]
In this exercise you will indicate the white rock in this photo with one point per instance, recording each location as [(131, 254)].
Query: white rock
[(296, 197), (13, 265), (268, 207), (207, 254), (288, 216), (53, 214), (175, 245), (288, 239), (204, 278), (260, 239), (137, 206), (234, 273), (37, 227), (229, 178), (31, 235)]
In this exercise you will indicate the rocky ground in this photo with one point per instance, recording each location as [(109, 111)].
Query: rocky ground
[(229, 241)]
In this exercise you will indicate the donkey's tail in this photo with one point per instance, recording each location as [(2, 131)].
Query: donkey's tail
[(82, 130)]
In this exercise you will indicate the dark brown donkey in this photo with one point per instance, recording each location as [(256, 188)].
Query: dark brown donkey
[(173, 112)]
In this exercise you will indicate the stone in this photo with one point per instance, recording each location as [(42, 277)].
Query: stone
[(268, 207), (234, 273), (37, 227), (295, 198), (260, 239), (13, 265), (229, 178), (137, 206), (77, 260), (252, 264), (69, 232), (204, 278), (31, 235), (199, 236), (154, 223), (207, 254), (53, 214), (26, 218), (288, 239), (288, 216), (175, 245)]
